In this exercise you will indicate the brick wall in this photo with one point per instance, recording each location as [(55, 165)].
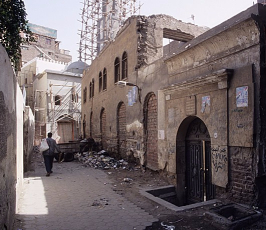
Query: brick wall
[(242, 176), (152, 139), (121, 126)]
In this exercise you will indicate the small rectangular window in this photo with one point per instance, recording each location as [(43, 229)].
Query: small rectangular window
[(48, 41), (57, 100)]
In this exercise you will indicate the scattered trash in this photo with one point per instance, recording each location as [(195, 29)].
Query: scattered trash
[(100, 203), (101, 160), (102, 152), (167, 227), (176, 221), (96, 203), (128, 180)]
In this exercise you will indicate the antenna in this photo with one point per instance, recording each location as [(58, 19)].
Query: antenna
[(193, 18)]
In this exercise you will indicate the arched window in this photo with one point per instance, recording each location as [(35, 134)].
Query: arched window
[(104, 79), (84, 95), (90, 89), (117, 70), (124, 66), (100, 81)]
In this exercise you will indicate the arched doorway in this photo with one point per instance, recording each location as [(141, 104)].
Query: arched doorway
[(198, 174), (151, 131), (121, 129)]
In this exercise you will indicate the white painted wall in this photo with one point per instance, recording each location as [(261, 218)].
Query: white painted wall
[(20, 170), (43, 64)]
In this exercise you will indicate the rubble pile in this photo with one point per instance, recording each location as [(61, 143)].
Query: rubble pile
[(101, 160)]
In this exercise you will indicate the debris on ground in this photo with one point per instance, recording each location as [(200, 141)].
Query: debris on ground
[(100, 203), (167, 227), (127, 179), (101, 160)]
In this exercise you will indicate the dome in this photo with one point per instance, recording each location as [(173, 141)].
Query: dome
[(77, 67)]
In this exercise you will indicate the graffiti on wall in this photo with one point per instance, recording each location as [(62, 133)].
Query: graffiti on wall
[(219, 158), (220, 165)]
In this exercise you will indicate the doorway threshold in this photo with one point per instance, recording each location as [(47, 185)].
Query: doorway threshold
[(165, 196)]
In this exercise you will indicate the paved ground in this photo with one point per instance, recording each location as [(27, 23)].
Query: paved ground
[(75, 197)]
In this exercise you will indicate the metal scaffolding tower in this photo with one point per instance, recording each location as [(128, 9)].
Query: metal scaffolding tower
[(101, 20)]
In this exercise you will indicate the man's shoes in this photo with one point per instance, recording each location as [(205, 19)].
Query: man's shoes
[(47, 174)]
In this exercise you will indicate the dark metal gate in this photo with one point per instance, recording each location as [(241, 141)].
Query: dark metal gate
[(198, 163)]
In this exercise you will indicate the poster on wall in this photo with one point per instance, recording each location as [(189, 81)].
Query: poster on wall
[(206, 101), (129, 98), (132, 96), (242, 96)]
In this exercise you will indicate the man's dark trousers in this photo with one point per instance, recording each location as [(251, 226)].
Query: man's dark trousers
[(48, 161)]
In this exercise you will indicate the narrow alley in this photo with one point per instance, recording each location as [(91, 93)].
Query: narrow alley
[(75, 197)]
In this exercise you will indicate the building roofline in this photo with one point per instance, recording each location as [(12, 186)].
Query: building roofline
[(63, 73), (257, 9)]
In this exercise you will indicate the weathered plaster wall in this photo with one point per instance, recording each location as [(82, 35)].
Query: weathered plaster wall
[(214, 64), (28, 138), (236, 48), (8, 142), (19, 140), (150, 45), (142, 39), (113, 95)]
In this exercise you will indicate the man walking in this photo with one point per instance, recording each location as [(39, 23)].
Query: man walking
[(48, 155)]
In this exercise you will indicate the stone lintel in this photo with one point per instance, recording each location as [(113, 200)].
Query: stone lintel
[(220, 77)]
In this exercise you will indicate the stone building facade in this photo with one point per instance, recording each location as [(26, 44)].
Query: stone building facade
[(45, 46), (194, 109)]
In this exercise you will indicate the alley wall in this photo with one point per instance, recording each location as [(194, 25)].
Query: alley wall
[(11, 142), (8, 146)]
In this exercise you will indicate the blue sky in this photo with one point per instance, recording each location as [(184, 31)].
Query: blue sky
[(64, 15)]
